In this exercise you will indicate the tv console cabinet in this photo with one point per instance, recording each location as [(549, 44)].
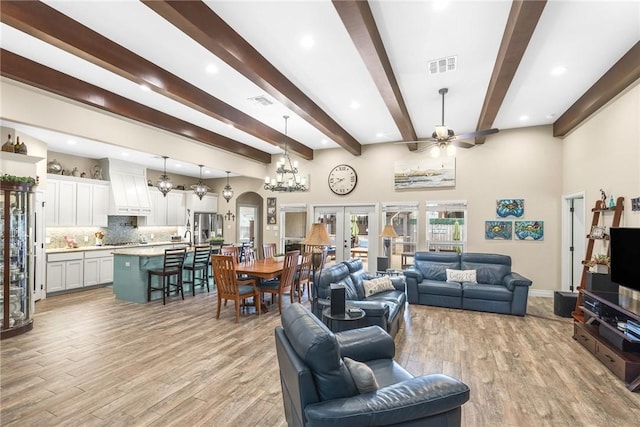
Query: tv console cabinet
[(600, 335)]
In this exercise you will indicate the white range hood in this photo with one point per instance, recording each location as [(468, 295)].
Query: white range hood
[(129, 193)]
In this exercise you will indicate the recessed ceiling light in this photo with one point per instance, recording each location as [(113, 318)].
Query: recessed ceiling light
[(178, 165), (230, 126), (551, 115), (558, 71), (207, 172), (523, 117), (307, 42), (354, 105), (379, 135), (145, 88), (125, 154), (324, 141), (72, 142), (211, 69)]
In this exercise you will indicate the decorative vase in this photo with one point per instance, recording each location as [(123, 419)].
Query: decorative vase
[(8, 146)]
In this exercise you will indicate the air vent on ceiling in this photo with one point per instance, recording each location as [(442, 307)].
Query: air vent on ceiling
[(443, 65), (261, 100)]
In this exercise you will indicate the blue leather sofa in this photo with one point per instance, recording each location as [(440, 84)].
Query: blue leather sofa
[(385, 309), (318, 389), (498, 289)]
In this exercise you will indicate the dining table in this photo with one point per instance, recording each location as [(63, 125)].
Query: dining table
[(264, 269)]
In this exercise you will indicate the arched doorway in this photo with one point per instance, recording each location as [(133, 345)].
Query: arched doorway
[(249, 218)]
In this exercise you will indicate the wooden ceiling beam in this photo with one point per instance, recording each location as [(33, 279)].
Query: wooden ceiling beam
[(203, 25), (361, 25), (619, 77), (34, 74), (522, 22), (57, 29)]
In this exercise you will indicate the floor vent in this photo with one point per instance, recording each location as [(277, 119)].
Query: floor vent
[(443, 65)]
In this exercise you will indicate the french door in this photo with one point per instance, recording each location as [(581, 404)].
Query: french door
[(354, 230)]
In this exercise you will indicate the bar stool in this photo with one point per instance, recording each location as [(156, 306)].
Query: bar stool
[(200, 263), (173, 262)]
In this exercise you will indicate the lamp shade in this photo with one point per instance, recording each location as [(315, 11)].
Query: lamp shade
[(388, 232), (317, 236)]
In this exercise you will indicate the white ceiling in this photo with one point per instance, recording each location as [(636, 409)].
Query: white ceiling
[(585, 38)]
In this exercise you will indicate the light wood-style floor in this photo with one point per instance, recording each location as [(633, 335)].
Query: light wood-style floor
[(93, 360)]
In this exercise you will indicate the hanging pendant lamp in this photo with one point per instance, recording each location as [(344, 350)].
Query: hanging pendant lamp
[(227, 191), (164, 183), (288, 178), (200, 189)]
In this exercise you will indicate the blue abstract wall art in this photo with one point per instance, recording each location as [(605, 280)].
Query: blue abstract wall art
[(510, 208), (529, 230), (498, 230)]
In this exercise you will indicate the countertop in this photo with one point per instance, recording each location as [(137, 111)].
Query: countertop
[(147, 252), (113, 247)]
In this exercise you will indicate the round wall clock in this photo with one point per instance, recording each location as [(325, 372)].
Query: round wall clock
[(342, 179)]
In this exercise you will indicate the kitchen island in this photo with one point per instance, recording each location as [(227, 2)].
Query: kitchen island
[(130, 271)]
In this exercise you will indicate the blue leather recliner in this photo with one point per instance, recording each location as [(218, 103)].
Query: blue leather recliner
[(385, 309), (497, 288), (318, 389)]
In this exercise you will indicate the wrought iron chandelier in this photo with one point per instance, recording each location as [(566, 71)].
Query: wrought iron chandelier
[(227, 191), (164, 183), (200, 189), (287, 177)]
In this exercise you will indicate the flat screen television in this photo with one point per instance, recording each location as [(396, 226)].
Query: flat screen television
[(625, 256)]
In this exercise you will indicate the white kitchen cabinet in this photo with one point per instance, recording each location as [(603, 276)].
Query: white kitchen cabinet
[(98, 267), (72, 201), (65, 271), (158, 216), (176, 209), (60, 202), (209, 203)]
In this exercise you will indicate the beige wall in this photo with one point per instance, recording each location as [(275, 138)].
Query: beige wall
[(524, 163), (604, 152)]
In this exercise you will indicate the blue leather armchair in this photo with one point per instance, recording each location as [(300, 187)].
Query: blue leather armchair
[(318, 390)]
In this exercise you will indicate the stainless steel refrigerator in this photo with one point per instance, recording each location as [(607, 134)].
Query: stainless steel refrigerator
[(206, 226)]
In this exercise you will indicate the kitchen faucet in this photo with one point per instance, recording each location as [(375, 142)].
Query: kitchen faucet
[(188, 227), (190, 236)]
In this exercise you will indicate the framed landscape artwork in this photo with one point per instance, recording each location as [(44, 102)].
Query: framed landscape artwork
[(498, 230), (424, 173)]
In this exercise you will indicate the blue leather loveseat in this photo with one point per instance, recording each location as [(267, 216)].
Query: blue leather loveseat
[(496, 289), (320, 387), (385, 309)]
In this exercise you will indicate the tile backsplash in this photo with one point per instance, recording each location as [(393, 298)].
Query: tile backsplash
[(120, 229)]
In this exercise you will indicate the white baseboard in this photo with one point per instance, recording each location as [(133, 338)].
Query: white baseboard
[(541, 293)]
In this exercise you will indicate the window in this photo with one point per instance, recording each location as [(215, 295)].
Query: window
[(446, 226), (404, 219)]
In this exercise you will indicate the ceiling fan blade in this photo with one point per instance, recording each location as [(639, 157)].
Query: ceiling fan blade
[(462, 144), (478, 133), (416, 141)]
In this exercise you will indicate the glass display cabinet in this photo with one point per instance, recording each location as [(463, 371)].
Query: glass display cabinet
[(16, 260)]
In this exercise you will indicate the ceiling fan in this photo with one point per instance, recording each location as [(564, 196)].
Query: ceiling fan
[(445, 138)]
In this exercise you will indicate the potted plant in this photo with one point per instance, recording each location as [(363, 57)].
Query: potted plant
[(23, 183), (599, 264)]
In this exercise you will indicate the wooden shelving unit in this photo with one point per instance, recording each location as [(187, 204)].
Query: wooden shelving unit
[(597, 210)]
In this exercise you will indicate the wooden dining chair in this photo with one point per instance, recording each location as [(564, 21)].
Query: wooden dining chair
[(199, 264), (286, 282), (228, 287), (171, 268), (233, 252), (269, 250), (304, 275), (249, 255)]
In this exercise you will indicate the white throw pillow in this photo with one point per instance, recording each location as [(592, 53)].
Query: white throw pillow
[(377, 285), (461, 276)]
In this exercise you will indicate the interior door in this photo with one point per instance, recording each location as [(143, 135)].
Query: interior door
[(579, 241), (354, 229)]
